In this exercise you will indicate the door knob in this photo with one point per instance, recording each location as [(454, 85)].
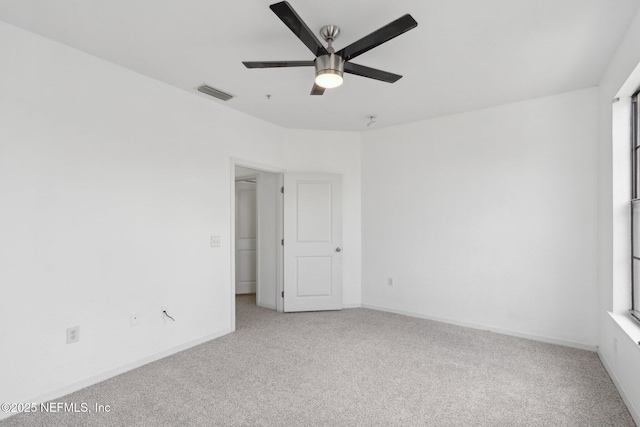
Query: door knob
[(338, 249)]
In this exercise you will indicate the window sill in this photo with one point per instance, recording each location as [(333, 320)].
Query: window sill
[(628, 325)]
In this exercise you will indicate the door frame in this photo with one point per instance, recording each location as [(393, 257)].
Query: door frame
[(280, 220)]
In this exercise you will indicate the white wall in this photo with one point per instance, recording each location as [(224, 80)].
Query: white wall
[(335, 152), (618, 338), (111, 185), (487, 218)]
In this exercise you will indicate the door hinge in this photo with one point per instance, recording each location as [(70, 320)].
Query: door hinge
[(282, 190), (282, 242), (282, 294)]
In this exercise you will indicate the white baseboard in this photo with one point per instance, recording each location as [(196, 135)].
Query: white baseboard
[(635, 413), (357, 305), (487, 328), (79, 385)]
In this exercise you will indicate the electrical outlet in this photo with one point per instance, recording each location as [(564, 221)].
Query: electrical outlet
[(135, 319), (215, 241), (73, 334), (390, 281)]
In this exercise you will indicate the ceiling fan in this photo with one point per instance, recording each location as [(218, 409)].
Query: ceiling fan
[(330, 65)]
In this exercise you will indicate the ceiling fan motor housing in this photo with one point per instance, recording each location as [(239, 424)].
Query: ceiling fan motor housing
[(329, 64)]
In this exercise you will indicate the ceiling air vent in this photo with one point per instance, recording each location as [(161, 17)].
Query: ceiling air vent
[(215, 92)]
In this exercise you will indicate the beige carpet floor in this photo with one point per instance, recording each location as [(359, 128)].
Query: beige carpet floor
[(354, 367)]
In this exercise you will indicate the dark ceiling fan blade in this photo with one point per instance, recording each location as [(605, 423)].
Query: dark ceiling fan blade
[(317, 90), (372, 73), (291, 19), (382, 35), (275, 64)]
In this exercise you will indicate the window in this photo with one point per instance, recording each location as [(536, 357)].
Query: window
[(635, 206)]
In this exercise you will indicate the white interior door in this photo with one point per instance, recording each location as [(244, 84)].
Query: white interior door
[(312, 242), (246, 217)]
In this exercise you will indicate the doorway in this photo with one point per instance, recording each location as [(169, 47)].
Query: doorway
[(297, 243), (258, 236), (246, 233)]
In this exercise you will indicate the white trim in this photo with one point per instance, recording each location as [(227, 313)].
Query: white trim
[(357, 305), (235, 161), (79, 385), (488, 328), (280, 247), (635, 413), (630, 327), (232, 246)]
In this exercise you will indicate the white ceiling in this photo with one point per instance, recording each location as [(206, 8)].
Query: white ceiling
[(464, 54)]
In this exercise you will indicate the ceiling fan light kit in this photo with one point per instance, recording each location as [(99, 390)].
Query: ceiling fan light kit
[(329, 64), (329, 71)]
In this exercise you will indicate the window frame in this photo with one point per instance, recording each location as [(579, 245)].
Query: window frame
[(634, 205)]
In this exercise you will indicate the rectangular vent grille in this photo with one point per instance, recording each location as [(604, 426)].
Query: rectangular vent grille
[(215, 92)]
